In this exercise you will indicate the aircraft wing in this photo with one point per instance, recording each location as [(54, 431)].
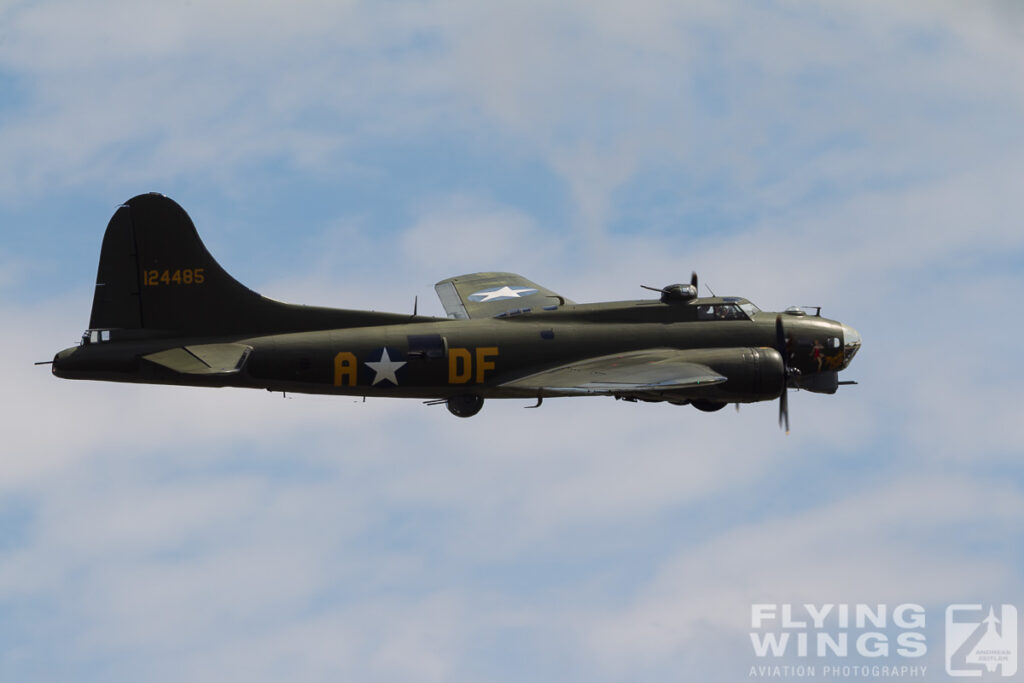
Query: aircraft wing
[(485, 295), (634, 372)]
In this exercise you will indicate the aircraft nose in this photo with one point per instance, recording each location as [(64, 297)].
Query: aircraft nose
[(851, 344)]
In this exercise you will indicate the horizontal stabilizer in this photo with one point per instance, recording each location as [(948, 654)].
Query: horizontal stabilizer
[(203, 359)]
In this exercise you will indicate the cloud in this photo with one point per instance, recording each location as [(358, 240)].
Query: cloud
[(873, 546), (142, 89), (776, 106), (860, 156)]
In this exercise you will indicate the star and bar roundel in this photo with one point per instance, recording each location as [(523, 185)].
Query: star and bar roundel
[(386, 366), (500, 293)]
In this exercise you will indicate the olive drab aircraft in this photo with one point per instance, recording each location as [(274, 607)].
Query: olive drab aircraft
[(165, 312)]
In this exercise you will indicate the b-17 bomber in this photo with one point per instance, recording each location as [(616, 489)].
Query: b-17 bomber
[(165, 312)]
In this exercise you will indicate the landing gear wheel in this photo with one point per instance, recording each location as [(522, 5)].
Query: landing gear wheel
[(707, 406), (465, 405)]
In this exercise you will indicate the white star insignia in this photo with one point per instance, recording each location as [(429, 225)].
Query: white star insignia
[(385, 368), (505, 292)]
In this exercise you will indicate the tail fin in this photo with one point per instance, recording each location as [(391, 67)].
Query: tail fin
[(155, 275)]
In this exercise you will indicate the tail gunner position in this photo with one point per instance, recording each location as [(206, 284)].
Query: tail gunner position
[(164, 312)]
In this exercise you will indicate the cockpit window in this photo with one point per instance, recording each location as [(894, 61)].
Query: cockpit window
[(720, 312), (750, 309)]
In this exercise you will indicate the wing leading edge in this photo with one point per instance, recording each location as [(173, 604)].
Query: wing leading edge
[(485, 295), (634, 372)]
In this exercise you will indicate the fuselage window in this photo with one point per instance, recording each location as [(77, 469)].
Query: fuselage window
[(720, 312), (95, 336)]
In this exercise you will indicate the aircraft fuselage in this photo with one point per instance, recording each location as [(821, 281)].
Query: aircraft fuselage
[(437, 358)]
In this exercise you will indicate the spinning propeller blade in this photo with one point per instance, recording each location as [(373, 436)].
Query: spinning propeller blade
[(787, 372)]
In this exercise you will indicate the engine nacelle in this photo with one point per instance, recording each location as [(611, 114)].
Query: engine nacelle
[(755, 374)]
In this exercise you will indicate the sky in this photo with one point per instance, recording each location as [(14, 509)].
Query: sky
[(863, 156)]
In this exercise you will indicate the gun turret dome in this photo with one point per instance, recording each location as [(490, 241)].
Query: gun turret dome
[(678, 292)]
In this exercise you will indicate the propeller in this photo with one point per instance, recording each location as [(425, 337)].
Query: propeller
[(693, 281), (787, 373)]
